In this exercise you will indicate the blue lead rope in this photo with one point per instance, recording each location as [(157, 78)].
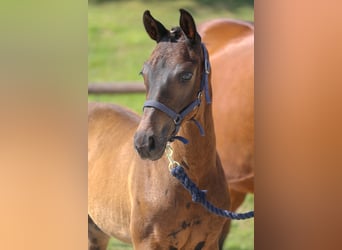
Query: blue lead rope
[(199, 196)]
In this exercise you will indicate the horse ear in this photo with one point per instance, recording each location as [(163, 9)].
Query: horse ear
[(188, 26), (154, 28)]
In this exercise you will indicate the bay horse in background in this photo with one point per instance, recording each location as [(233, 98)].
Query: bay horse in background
[(231, 48), (131, 194)]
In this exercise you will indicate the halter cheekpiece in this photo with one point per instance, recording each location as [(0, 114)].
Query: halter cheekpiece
[(179, 117)]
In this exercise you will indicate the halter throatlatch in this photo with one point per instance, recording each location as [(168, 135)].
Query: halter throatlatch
[(179, 117)]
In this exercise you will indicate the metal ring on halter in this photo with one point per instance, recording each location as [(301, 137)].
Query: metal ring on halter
[(199, 96), (178, 119)]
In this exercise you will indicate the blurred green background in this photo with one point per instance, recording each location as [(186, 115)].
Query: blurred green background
[(118, 46)]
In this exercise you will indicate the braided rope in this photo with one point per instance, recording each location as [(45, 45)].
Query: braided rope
[(199, 196)]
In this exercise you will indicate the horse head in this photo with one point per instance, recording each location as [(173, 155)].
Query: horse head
[(172, 77)]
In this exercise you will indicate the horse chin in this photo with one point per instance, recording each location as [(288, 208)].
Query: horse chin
[(157, 157)]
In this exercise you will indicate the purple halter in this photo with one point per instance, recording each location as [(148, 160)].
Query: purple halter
[(179, 117)]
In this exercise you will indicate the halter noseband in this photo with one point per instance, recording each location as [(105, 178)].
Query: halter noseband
[(179, 117)]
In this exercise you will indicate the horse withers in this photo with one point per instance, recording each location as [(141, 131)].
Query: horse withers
[(131, 193)]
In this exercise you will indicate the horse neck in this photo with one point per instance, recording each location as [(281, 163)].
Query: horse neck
[(199, 155)]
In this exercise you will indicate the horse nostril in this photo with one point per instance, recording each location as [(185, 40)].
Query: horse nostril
[(151, 143)]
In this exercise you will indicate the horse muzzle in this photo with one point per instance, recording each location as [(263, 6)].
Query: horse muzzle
[(153, 133)]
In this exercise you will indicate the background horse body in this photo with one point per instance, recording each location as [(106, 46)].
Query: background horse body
[(231, 47), (136, 200)]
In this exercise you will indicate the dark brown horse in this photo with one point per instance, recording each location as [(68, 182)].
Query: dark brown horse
[(132, 196)]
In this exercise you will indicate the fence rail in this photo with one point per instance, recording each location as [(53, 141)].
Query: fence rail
[(116, 87)]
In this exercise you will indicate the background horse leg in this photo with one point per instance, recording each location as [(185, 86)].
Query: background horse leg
[(97, 240)]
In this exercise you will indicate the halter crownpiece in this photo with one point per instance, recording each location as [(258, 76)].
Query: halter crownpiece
[(179, 117), (205, 78)]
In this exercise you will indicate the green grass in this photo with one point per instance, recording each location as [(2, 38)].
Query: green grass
[(118, 43), (118, 46)]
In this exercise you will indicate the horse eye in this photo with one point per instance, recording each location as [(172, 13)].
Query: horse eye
[(186, 76)]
